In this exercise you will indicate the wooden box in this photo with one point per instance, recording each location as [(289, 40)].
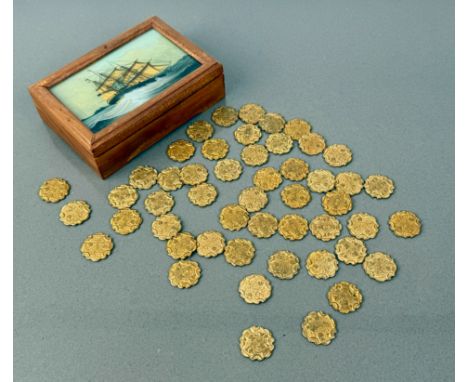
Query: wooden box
[(122, 97)]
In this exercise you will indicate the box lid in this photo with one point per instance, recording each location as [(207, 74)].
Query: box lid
[(123, 127)]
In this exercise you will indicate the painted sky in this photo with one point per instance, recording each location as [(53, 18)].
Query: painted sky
[(80, 96)]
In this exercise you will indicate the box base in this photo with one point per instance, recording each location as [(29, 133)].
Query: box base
[(122, 153)]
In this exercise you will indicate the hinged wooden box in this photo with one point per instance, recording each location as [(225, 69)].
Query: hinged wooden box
[(122, 97)]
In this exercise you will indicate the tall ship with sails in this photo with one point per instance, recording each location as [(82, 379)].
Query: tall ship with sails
[(124, 77)]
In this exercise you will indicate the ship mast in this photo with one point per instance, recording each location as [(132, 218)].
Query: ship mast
[(139, 73)]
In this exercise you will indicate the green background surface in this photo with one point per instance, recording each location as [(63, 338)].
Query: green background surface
[(377, 75)]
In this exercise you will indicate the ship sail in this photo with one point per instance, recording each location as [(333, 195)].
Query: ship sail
[(121, 78)]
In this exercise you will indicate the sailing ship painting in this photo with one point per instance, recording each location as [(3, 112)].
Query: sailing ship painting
[(124, 79)]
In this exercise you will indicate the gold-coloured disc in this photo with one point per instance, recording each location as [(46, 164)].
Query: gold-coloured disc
[(193, 174), (233, 217), (256, 343), (321, 180), (203, 194), (224, 116), (293, 227), (349, 182), (126, 221), (180, 150), (295, 195), (159, 203), (247, 134), (228, 169), (251, 113), (254, 155), (379, 186), (54, 190), (74, 213), (283, 265), (322, 264), (312, 144), (181, 246), (97, 246), (263, 225), (267, 178), (166, 226), (337, 155), (319, 328), (363, 226), (200, 131), (337, 203), (380, 266), (294, 169), (210, 243), (184, 274), (297, 127), (279, 143), (272, 123), (143, 177), (169, 179), (344, 297), (350, 250), (255, 289), (239, 252), (253, 199), (123, 196), (325, 227), (405, 224), (215, 148)]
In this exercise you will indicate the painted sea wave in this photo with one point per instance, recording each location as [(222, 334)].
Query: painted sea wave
[(138, 95)]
